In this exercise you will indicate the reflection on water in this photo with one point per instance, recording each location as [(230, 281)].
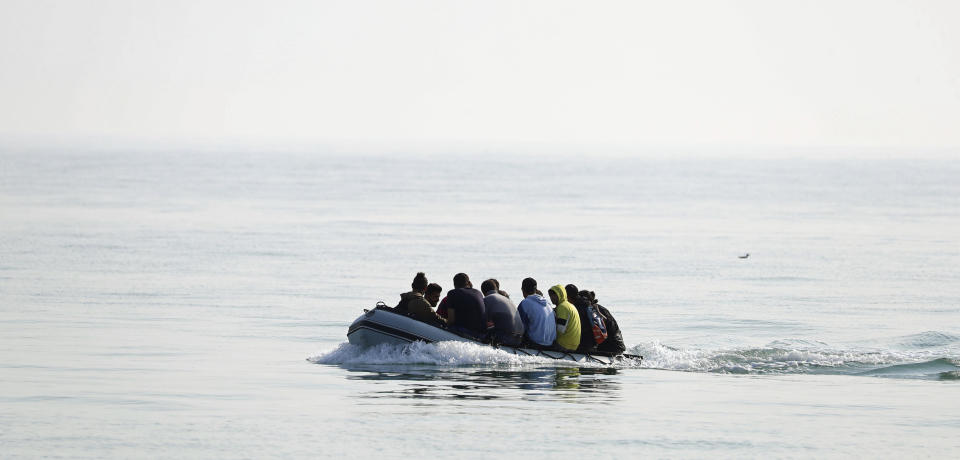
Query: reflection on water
[(432, 382)]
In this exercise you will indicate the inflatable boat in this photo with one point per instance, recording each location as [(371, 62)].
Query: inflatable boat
[(381, 325)]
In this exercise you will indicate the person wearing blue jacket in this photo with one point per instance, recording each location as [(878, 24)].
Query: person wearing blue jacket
[(537, 316)]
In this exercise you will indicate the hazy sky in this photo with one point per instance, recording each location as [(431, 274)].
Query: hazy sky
[(797, 73)]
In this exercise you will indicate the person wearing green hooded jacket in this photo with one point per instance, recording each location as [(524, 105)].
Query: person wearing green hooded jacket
[(568, 320)]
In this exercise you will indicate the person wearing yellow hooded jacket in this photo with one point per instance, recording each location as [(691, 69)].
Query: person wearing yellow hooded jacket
[(568, 320)]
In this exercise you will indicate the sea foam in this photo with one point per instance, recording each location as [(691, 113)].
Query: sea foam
[(444, 354), (798, 357), (778, 357), (441, 353)]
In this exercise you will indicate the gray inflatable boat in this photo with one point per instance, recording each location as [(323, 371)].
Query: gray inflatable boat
[(380, 325)]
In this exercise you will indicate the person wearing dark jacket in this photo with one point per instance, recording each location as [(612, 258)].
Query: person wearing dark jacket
[(466, 313), (587, 342), (507, 326), (414, 304), (433, 294), (614, 343)]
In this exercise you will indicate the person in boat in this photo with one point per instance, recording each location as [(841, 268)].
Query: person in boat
[(414, 304), (466, 313), (614, 342), (587, 342), (433, 294), (499, 291), (507, 326), (442, 308), (568, 321), (539, 322)]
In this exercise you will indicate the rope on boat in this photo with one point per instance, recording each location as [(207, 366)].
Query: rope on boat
[(549, 356), (598, 360)]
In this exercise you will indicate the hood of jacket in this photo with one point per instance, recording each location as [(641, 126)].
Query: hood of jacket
[(410, 295), (537, 298), (560, 292)]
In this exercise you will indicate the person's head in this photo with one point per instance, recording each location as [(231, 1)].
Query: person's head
[(528, 286), (419, 283), (590, 295), (461, 280), (572, 292), (499, 291), (433, 294), (488, 285), (558, 294)]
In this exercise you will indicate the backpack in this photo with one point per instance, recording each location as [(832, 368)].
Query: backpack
[(599, 328)]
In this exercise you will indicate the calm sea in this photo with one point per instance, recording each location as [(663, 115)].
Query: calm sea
[(195, 305)]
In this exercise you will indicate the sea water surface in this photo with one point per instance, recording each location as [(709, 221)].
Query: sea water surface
[(195, 305)]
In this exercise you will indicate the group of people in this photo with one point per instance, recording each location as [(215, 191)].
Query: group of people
[(576, 322)]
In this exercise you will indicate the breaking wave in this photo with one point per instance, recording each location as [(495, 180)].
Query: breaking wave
[(928, 355), (441, 353), (934, 359)]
